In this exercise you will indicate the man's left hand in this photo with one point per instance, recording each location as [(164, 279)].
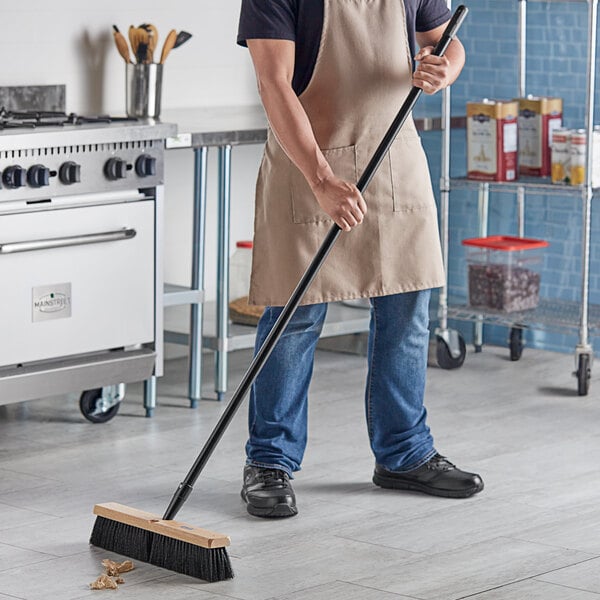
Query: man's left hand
[(433, 72)]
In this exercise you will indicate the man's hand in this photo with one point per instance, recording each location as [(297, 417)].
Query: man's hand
[(274, 65), (433, 72), (342, 201)]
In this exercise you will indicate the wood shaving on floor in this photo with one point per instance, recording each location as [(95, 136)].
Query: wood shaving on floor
[(111, 579)]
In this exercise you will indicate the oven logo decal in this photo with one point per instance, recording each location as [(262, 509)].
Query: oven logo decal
[(51, 302)]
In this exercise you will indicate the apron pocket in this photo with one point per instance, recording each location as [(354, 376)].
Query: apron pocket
[(411, 180), (305, 208)]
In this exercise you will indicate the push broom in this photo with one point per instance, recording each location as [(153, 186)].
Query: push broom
[(198, 552)]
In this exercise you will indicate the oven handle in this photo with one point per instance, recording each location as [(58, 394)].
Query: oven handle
[(74, 240)]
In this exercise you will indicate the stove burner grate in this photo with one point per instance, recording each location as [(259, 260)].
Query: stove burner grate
[(31, 119)]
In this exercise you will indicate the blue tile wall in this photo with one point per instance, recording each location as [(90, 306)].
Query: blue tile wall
[(556, 66)]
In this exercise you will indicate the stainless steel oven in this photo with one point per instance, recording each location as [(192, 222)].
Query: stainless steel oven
[(80, 262)]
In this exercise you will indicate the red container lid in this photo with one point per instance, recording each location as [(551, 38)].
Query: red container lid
[(505, 243), (244, 244)]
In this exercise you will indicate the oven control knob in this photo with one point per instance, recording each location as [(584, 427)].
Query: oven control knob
[(38, 176), (145, 165), (14, 177), (115, 168), (69, 173)]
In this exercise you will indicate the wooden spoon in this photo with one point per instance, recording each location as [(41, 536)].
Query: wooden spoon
[(121, 44), (133, 40), (168, 45), (152, 39), (143, 42)]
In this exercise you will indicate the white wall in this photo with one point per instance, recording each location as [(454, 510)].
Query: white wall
[(70, 42)]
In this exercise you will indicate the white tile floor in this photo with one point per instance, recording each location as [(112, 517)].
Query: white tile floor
[(534, 533)]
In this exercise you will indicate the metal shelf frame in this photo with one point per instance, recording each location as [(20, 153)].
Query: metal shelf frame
[(551, 313), (531, 185), (555, 315)]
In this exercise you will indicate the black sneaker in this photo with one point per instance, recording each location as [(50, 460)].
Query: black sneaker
[(438, 477), (268, 493)]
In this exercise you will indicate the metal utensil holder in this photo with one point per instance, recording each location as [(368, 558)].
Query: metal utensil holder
[(143, 89)]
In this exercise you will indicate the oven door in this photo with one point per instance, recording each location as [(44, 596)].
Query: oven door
[(76, 280)]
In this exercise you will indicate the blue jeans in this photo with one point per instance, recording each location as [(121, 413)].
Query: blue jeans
[(397, 355)]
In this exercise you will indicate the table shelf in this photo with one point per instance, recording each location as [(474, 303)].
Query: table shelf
[(341, 320)]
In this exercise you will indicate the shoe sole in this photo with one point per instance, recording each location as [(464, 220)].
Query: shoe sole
[(279, 511), (395, 484)]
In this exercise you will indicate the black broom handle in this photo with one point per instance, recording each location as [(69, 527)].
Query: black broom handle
[(186, 486)]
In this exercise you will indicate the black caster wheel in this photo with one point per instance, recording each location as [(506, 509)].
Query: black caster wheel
[(515, 343), (444, 356), (583, 374), (88, 404)]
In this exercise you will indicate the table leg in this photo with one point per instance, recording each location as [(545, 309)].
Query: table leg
[(150, 396), (196, 309), (223, 271)]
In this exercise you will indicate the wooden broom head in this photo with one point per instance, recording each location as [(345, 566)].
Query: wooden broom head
[(151, 522)]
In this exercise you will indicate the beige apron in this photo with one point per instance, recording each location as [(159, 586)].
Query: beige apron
[(362, 75)]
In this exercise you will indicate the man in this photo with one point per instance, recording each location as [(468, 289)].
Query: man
[(332, 75)]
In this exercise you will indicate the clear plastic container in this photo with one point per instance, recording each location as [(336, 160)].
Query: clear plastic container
[(504, 272), (240, 266)]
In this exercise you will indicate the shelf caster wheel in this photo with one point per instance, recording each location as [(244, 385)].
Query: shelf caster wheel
[(583, 374), (515, 343), (445, 358), (95, 407), (478, 348)]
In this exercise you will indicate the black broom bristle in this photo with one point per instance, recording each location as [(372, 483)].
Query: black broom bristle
[(209, 564)]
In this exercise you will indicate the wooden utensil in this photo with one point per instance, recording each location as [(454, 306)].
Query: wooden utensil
[(121, 44), (143, 40), (152, 39), (133, 41), (168, 45)]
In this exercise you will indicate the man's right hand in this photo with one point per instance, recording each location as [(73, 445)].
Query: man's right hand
[(274, 65), (342, 201)]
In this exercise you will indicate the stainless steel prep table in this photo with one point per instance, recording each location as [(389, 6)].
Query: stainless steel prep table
[(223, 128), (200, 129)]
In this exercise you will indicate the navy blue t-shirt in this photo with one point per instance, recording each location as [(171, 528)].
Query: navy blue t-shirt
[(301, 21)]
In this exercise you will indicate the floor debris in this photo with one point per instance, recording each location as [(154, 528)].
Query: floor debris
[(112, 579)]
